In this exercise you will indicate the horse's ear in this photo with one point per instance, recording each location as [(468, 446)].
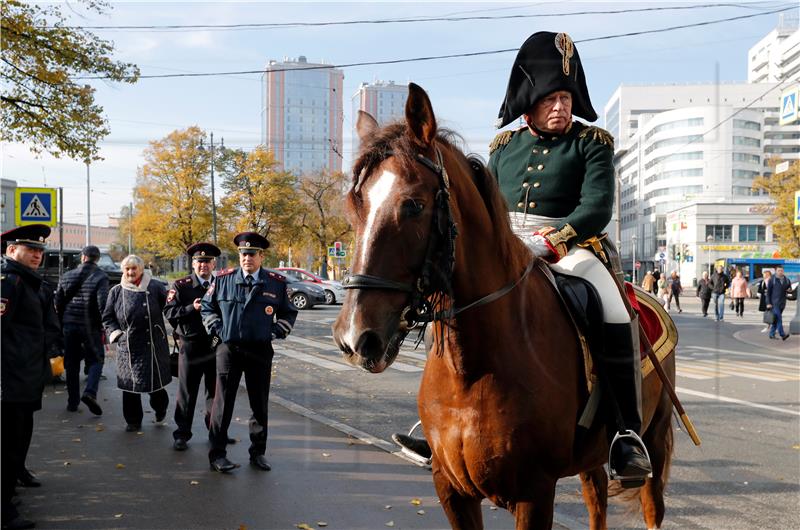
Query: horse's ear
[(365, 125), (419, 115)]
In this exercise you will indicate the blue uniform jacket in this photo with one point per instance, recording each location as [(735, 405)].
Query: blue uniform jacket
[(236, 316)]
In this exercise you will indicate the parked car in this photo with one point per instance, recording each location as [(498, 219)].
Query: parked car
[(334, 292), (304, 295), (72, 258)]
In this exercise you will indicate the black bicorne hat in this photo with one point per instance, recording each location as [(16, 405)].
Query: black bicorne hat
[(246, 241), (546, 62), (203, 251), (33, 236)]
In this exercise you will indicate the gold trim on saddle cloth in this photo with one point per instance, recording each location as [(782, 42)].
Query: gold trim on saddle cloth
[(667, 341)]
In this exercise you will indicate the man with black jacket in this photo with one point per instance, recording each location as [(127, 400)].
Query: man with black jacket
[(197, 359), (80, 300), (719, 284), (29, 332)]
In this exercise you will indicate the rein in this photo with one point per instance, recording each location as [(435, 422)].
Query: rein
[(439, 258)]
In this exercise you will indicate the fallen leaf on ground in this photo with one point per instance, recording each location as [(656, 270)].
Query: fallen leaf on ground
[(387, 507), (140, 433), (420, 512), (242, 527), (326, 455), (322, 524), (492, 507), (67, 463), (796, 446), (120, 466), (302, 526), (117, 516), (76, 440), (99, 428), (416, 502), (390, 523), (194, 483)]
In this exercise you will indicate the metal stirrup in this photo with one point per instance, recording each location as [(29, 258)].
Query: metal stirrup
[(631, 435)]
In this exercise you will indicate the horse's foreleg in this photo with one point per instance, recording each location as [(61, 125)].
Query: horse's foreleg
[(658, 439), (537, 513), (595, 496), (464, 513)]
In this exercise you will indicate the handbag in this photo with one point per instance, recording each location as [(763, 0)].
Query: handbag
[(769, 317), (173, 356)]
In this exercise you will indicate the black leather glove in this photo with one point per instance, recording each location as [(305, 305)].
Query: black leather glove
[(215, 341)]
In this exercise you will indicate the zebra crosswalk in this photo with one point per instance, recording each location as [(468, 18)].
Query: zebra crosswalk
[(325, 354), (706, 363)]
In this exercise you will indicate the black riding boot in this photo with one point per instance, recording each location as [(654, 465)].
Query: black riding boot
[(417, 448), (622, 372)]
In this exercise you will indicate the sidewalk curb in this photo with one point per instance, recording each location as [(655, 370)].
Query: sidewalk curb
[(562, 520)]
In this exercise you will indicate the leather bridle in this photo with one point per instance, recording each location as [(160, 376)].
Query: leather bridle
[(436, 274)]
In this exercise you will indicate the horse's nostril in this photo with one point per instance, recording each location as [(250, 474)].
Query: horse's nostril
[(370, 345)]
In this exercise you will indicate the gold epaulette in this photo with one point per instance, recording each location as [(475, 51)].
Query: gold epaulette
[(598, 135), (501, 139)]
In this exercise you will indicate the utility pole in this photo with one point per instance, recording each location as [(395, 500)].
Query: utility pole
[(130, 228), (60, 232), (213, 200), (88, 207)]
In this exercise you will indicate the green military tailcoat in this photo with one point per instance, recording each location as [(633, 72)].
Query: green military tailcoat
[(568, 176)]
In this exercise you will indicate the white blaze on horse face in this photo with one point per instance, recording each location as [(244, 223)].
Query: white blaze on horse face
[(377, 194)]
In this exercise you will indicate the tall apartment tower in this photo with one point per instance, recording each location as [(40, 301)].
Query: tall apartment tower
[(302, 114), (384, 100), (776, 57)]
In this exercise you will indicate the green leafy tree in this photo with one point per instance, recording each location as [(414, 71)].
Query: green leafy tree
[(172, 207), (43, 104), (781, 188), (323, 219), (260, 197)]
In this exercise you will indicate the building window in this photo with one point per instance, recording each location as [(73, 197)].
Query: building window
[(752, 233), (746, 124), (720, 232), (746, 140), (744, 173), (691, 122), (680, 140), (746, 157)]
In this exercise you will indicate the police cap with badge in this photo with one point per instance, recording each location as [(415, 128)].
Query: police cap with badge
[(33, 236), (203, 251), (545, 63), (250, 242)]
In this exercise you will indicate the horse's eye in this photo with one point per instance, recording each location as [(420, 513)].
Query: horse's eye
[(412, 208)]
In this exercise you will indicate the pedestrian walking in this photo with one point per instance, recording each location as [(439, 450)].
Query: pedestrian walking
[(739, 292), (196, 360), (663, 291), (648, 281), (30, 331), (675, 290), (766, 277), (776, 302), (134, 322), (704, 292), (80, 301), (719, 284), (245, 309), (656, 277)]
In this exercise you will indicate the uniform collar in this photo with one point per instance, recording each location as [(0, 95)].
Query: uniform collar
[(548, 136), (199, 281), (245, 274)]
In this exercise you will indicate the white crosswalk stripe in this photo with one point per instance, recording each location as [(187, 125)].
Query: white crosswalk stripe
[(323, 347), (697, 363)]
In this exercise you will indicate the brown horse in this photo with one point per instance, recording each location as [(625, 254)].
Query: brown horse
[(504, 382)]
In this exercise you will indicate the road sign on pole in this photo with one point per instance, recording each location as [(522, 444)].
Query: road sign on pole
[(789, 110), (36, 206), (797, 207)]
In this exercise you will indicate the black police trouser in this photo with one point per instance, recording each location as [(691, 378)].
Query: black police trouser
[(254, 360), (132, 405), (82, 344), (16, 423), (704, 305), (196, 361)]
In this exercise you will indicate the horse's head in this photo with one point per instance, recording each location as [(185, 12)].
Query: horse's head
[(399, 209)]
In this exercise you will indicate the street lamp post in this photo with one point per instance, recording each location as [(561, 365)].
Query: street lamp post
[(709, 240), (633, 240), (213, 199)]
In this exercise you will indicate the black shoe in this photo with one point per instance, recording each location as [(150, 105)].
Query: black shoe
[(260, 461), (231, 441), (133, 427), (785, 337), (418, 446), (72, 408), (18, 524), (180, 444), (628, 461), (27, 479), (160, 416), (92, 404), (222, 465)]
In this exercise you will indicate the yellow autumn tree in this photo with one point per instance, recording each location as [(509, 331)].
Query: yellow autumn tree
[(172, 198), (781, 188), (323, 219), (259, 197)]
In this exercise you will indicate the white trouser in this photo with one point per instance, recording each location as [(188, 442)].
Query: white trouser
[(580, 263)]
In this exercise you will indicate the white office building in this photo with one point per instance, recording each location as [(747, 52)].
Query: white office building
[(776, 57), (383, 100), (690, 144)]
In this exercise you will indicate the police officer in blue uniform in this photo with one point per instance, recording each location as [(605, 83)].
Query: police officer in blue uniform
[(196, 360), (244, 310)]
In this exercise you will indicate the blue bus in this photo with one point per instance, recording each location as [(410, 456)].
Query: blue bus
[(753, 268)]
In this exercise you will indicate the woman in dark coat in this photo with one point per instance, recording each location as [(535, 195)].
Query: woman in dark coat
[(134, 322), (762, 298)]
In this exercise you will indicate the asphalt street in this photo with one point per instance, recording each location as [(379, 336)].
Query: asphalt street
[(740, 389)]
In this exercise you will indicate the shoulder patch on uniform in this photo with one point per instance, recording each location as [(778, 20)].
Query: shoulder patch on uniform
[(225, 272), (598, 135), (500, 140), (279, 277), (183, 281)]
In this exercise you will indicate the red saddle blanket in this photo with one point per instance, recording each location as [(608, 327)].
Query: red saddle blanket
[(658, 326)]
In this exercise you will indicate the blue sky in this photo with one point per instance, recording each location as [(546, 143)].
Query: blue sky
[(466, 92)]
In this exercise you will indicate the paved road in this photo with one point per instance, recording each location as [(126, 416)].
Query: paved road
[(740, 389)]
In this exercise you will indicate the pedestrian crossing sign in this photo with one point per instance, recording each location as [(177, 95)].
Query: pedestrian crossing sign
[(35, 206), (789, 111), (797, 208)]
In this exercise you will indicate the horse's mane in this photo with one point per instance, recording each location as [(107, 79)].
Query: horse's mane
[(394, 139)]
